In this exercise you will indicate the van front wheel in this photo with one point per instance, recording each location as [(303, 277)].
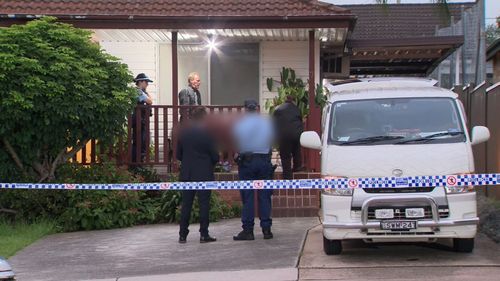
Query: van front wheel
[(332, 247), (463, 245)]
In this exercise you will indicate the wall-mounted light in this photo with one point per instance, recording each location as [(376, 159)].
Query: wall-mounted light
[(211, 44)]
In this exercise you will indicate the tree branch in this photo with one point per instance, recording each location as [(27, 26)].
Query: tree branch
[(56, 162), (14, 156), (40, 170), (3, 210)]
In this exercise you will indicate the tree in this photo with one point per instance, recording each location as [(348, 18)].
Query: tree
[(492, 33), (58, 90)]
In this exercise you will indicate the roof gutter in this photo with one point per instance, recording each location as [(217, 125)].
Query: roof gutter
[(199, 22)]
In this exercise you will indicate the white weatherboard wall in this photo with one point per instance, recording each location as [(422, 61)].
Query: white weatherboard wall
[(141, 57), (275, 55)]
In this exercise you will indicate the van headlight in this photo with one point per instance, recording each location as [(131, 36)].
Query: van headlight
[(346, 191), (458, 189), (338, 191)]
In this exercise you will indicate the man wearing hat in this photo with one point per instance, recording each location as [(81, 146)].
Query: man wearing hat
[(254, 137), (143, 98)]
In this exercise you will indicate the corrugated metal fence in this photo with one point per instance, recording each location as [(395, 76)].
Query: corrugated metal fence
[(482, 106)]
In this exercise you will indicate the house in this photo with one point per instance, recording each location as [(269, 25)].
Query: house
[(408, 39), (250, 41), (235, 45)]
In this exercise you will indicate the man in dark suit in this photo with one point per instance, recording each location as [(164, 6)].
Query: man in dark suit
[(288, 122), (198, 155)]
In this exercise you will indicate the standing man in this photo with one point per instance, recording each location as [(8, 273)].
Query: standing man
[(288, 122), (254, 137), (143, 98), (198, 155), (190, 95)]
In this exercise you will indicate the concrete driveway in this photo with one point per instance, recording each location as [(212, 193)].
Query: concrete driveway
[(429, 262), (153, 253)]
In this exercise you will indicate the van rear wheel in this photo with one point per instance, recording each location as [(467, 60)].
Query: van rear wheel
[(463, 245), (332, 247)]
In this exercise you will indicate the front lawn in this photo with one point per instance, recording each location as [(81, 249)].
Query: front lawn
[(14, 237)]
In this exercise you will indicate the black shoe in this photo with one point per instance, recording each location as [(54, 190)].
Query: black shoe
[(182, 239), (244, 235), (267, 233), (207, 239)]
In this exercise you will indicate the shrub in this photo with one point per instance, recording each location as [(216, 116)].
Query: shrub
[(92, 209), (62, 89), (101, 210)]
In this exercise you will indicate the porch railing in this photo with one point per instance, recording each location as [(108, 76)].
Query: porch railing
[(161, 123)]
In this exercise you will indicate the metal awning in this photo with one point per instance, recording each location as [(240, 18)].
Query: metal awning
[(408, 56), (334, 36)]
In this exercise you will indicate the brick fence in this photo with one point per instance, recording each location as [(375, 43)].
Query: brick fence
[(286, 203)]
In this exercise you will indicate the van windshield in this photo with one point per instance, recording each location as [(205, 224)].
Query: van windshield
[(401, 121)]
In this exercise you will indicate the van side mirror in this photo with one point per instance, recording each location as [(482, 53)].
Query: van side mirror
[(479, 135), (310, 139)]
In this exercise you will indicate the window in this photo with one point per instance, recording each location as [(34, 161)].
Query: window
[(397, 120)]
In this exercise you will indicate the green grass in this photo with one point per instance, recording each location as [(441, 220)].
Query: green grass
[(14, 237)]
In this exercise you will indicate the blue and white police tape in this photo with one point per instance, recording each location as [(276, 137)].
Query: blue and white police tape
[(324, 183)]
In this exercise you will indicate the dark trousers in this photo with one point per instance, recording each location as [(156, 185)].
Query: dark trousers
[(290, 149), (257, 168), (136, 142), (187, 205)]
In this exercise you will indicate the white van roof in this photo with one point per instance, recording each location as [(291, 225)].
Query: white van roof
[(386, 87)]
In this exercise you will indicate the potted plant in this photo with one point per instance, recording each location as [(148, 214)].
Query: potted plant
[(291, 85)]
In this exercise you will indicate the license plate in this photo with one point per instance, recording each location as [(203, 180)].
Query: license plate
[(384, 213), (398, 225), (414, 212)]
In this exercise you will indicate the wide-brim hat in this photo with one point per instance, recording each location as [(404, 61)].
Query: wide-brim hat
[(142, 77)]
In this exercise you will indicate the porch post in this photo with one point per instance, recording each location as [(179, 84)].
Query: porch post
[(175, 102), (314, 118), (175, 74)]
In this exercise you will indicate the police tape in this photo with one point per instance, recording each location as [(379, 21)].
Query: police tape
[(464, 180)]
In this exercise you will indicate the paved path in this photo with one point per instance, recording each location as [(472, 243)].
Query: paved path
[(151, 253), (153, 250), (429, 262)]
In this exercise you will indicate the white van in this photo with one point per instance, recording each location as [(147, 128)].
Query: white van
[(393, 128)]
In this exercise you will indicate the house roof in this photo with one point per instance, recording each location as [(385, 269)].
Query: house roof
[(170, 8), (177, 14), (400, 39), (401, 20)]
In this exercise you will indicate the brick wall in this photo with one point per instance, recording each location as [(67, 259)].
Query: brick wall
[(286, 203)]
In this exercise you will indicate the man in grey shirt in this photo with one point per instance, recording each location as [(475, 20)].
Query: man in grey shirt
[(191, 95)]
